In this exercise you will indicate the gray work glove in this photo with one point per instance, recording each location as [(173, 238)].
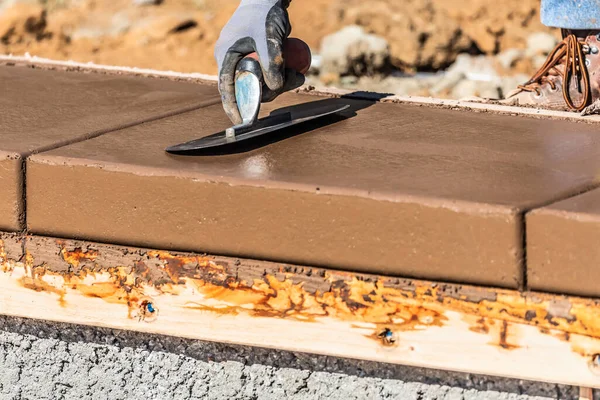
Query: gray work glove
[(260, 26)]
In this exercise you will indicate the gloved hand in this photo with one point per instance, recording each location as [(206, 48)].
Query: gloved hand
[(261, 27)]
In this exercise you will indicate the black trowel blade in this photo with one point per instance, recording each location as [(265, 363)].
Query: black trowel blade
[(272, 123)]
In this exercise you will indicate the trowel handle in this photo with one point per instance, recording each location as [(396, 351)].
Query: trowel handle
[(249, 64), (248, 90)]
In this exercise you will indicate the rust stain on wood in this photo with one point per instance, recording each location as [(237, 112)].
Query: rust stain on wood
[(225, 287), (78, 255), (480, 326), (40, 286), (504, 337)]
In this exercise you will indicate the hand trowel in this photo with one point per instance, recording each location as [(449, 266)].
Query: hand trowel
[(248, 94)]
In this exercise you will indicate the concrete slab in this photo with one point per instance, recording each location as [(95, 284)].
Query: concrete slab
[(41, 109), (563, 246), (398, 190)]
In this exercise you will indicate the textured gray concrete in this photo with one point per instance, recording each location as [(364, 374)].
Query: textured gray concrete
[(40, 360)]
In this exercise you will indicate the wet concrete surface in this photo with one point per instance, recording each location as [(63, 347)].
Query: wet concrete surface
[(387, 188), (42, 109), (563, 246)]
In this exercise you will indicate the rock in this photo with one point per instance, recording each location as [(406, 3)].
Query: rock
[(508, 58), (509, 84), (592, 109), (184, 26), (488, 90), (469, 88), (120, 23), (94, 27), (494, 25), (447, 83), (401, 86), (352, 51), (464, 89), (538, 61), (540, 43), (315, 65), (421, 36), (349, 80), (474, 67), (6, 4), (329, 78), (23, 23)]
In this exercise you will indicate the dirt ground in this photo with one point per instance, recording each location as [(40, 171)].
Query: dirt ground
[(179, 35)]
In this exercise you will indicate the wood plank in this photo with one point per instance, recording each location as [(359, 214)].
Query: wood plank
[(452, 327), (586, 393)]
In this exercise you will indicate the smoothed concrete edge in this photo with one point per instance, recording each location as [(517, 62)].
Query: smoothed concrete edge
[(251, 231), (12, 210)]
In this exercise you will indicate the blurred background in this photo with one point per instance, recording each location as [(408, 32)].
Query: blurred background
[(440, 48)]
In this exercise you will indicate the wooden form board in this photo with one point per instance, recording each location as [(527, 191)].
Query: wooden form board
[(452, 327), (586, 393)]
